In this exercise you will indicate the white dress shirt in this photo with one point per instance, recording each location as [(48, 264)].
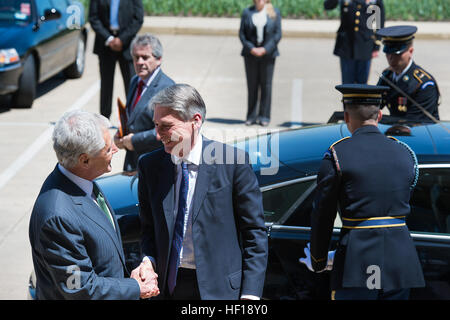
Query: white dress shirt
[(147, 82), (187, 259)]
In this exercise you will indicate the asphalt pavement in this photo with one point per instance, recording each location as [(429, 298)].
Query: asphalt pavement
[(204, 52)]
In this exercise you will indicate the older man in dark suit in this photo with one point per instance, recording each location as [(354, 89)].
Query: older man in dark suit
[(75, 239), (202, 219), (140, 137), (116, 23)]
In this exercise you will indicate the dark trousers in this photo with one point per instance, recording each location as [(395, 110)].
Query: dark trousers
[(259, 72), (107, 64), (186, 287), (355, 71), (368, 294)]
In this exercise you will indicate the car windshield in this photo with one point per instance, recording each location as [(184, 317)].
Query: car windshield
[(15, 11)]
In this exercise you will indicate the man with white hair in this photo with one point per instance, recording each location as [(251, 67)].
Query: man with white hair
[(75, 239)]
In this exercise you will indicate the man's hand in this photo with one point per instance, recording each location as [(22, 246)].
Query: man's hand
[(118, 141), (116, 44), (127, 143), (147, 279), (307, 260)]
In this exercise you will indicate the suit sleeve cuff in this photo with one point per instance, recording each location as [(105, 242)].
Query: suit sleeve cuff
[(250, 297)]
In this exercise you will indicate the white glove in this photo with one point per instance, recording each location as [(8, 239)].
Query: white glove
[(307, 260)]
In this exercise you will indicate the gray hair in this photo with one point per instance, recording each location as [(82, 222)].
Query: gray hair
[(181, 98), (78, 132), (147, 39)]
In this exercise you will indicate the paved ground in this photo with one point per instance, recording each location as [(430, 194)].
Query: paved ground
[(303, 92)]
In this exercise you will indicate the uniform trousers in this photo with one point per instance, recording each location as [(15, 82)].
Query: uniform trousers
[(259, 72), (355, 71), (107, 62)]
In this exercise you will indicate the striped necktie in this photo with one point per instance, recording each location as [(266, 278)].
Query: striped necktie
[(177, 239)]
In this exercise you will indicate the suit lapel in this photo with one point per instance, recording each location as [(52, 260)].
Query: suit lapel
[(166, 186), (131, 92), (143, 101), (205, 172), (90, 209)]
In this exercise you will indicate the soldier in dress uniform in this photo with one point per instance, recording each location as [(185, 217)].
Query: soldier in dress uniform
[(356, 42), (412, 80), (369, 177)]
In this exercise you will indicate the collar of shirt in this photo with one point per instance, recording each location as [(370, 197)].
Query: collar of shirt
[(193, 157), (397, 77), (149, 80), (85, 185)]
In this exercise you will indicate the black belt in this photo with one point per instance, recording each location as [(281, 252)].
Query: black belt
[(114, 32)]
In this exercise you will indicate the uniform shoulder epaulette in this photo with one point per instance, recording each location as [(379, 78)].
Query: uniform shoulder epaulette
[(340, 140), (423, 78)]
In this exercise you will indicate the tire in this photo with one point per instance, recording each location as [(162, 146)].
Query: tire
[(25, 95), (76, 69)]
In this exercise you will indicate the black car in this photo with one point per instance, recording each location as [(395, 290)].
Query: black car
[(286, 164), (38, 40)]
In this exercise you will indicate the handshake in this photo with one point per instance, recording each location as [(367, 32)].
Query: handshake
[(147, 279)]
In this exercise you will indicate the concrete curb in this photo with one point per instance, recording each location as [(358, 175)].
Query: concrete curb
[(291, 28)]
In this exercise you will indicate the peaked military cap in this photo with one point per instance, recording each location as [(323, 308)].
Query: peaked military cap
[(361, 93), (397, 38)]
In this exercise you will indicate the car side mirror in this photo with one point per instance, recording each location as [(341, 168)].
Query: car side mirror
[(51, 14)]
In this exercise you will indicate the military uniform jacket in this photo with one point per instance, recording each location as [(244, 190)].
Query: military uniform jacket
[(354, 40), (376, 178), (420, 86)]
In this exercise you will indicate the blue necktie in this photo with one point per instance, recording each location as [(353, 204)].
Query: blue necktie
[(114, 15), (177, 240)]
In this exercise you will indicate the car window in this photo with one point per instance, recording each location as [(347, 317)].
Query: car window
[(281, 200), (430, 202), (15, 11)]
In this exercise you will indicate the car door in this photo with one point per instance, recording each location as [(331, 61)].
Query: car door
[(289, 231), (287, 210), (429, 223), (68, 34), (48, 37)]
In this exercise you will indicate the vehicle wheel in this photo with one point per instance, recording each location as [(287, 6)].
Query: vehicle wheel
[(75, 70), (24, 96)]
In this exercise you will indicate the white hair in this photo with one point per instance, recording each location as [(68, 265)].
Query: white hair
[(78, 132)]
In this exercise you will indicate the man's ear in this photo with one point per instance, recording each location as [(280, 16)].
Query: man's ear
[(83, 160), (380, 115), (346, 117), (197, 121)]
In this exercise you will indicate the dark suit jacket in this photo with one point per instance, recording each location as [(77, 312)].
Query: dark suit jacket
[(272, 33), (68, 229), (131, 18), (354, 40), (140, 120), (228, 230), (377, 174)]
